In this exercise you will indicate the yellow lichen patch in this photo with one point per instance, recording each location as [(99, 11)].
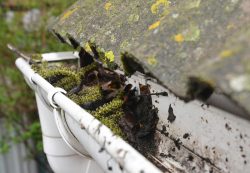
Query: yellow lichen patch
[(179, 38), (67, 14), (110, 56), (152, 60), (154, 25), (226, 53), (155, 7), (108, 6), (87, 48)]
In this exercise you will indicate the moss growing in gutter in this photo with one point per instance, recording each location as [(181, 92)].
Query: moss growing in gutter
[(102, 92), (111, 122), (90, 94), (87, 69), (108, 108)]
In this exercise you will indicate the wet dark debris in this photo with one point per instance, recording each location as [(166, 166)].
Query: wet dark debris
[(106, 95), (228, 127), (190, 158), (203, 105), (241, 149), (164, 131), (186, 135), (177, 143), (171, 115), (133, 123), (167, 155)]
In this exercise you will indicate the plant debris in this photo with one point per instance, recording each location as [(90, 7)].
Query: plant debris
[(171, 116), (106, 95)]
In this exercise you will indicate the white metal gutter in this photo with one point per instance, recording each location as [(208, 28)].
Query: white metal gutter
[(110, 152)]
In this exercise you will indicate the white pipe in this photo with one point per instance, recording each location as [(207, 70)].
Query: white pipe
[(121, 154)]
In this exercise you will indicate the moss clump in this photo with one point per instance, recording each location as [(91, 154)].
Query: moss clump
[(112, 122), (87, 95), (107, 58), (108, 108), (58, 72), (66, 83), (38, 67), (84, 70), (36, 57), (109, 114), (63, 77), (92, 96)]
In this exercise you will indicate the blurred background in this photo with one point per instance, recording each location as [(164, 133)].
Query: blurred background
[(23, 24)]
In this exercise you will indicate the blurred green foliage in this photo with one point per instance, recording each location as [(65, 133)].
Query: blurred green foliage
[(17, 104)]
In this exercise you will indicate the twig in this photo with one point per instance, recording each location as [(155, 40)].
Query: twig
[(19, 53)]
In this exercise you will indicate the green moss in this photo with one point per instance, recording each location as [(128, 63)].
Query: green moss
[(87, 69), (38, 67), (62, 71), (106, 57), (109, 114), (112, 122), (37, 57), (66, 83), (90, 94), (108, 108)]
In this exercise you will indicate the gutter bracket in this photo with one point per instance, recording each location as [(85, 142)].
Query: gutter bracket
[(51, 95)]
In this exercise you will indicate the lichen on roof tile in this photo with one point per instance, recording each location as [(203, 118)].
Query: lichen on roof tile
[(173, 40)]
